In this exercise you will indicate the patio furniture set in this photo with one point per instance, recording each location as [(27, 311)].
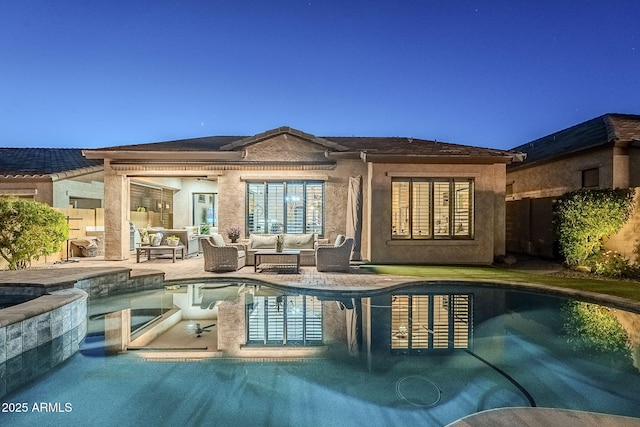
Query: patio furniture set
[(260, 251)]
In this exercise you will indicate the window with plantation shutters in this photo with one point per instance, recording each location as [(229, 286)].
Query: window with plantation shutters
[(425, 323), (423, 208), (289, 320), (292, 207)]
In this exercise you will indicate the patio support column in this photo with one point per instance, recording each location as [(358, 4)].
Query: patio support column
[(116, 216)]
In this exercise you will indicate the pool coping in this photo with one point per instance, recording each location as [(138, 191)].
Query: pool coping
[(354, 282)]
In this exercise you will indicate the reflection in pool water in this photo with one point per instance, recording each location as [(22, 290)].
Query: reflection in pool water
[(425, 355)]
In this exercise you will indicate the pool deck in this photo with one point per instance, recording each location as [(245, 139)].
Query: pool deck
[(357, 279)]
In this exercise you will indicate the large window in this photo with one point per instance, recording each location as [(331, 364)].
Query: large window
[(423, 208), (431, 322), (293, 207), (290, 320)]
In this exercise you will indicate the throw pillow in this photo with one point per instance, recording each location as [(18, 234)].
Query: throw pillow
[(299, 241), (339, 240), (266, 241), (218, 240)]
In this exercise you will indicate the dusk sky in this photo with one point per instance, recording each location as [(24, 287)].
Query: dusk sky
[(494, 73)]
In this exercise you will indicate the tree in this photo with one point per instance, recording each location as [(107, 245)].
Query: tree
[(583, 218), (29, 230)]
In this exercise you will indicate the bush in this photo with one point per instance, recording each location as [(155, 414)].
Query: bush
[(583, 218), (613, 264), (29, 230)]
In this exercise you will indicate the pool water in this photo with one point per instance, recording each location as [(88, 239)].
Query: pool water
[(502, 349)]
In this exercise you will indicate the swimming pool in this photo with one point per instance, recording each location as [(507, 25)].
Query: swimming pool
[(424, 354)]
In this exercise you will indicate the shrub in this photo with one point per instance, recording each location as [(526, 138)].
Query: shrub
[(593, 329), (29, 230), (613, 264), (583, 218)]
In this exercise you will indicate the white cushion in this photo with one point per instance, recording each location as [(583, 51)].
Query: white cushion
[(339, 240), (218, 240), (262, 241), (299, 241)]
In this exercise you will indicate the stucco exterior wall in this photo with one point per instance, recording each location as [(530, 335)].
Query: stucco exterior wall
[(232, 184), (40, 189), (489, 238), (90, 186), (556, 178), (530, 206), (627, 240), (634, 167)]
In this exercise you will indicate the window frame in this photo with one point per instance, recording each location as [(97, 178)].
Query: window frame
[(412, 313), (271, 321), (450, 200), (285, 220), (591, 176)]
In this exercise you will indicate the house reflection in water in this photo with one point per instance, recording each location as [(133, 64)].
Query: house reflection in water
[(253, 320), (266, 318)]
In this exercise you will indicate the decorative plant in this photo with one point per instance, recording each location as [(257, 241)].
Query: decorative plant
[(613, 264), (584, 218), (174, 238), (279, 239), (234, 232), (29, 230), (204, 229)]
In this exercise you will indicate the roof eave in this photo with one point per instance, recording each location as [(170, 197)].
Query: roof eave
[(164, 155), (435, 159)]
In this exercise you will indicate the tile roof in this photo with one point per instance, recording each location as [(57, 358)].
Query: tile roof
[(42, 161), (378, 145), (207, 143), (414, 146), (590, 134)]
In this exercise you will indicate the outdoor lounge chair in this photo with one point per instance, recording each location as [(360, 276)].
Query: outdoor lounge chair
[(220, 257), (336, 257)]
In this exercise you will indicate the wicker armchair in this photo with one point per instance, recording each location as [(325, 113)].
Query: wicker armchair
[(222, 258), (334, 258)]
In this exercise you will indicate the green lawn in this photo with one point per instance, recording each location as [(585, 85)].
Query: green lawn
[(619, 288)]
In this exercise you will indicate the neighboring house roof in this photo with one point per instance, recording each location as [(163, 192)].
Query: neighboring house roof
[(39, 162), (620, 129), (373, 147)]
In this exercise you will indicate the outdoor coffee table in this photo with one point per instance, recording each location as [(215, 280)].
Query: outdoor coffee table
[(159, 249), (269, 258)]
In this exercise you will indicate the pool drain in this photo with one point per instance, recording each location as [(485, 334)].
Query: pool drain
[(418, 391)]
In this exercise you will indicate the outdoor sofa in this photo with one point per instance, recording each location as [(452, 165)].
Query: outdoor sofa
[(305, 243)]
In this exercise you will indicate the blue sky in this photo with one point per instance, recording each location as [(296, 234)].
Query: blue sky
[(486, 73)]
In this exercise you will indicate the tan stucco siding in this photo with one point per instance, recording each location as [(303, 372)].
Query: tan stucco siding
[(556, 178), (116, 217), (232, 193), (627, 240), (40, 190), (634, 167), (489, 211), (285, 148)]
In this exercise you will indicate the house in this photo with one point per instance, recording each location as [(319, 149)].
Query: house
[(59, 177), (415, 201), (603, 152)]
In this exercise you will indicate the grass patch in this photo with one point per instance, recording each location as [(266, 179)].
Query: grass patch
[(619, 288)]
